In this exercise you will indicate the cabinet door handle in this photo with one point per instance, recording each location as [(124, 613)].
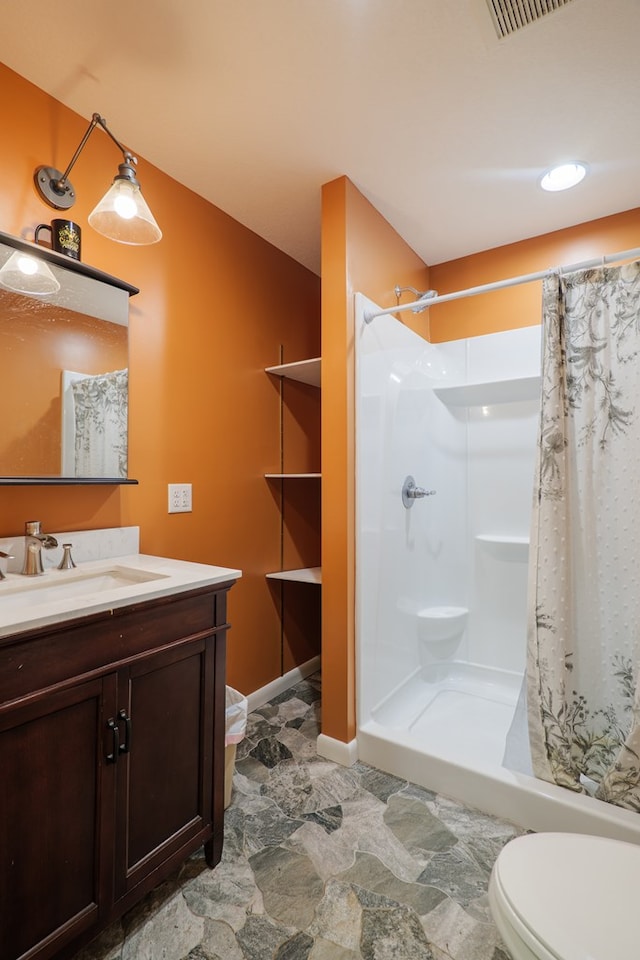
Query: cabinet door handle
[(113, 726), (126, 746)]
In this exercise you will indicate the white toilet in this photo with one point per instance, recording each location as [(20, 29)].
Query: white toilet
[(567, 896)]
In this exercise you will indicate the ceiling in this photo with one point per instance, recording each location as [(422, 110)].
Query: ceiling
[(445, 128)]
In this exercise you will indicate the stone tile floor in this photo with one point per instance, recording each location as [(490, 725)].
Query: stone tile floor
[(323, 862)]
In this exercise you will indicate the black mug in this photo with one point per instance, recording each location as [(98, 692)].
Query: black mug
[(65, 237)]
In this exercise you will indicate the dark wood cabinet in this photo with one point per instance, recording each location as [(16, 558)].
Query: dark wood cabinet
[(51, 817), (111, 764), (164, 796)]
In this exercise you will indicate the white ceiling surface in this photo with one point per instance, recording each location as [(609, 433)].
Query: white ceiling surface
[(254, 104)]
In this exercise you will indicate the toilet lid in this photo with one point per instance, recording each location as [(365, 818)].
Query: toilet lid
[(575, 895)]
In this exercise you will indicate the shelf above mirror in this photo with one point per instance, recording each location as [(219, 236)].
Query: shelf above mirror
[(55, 259)]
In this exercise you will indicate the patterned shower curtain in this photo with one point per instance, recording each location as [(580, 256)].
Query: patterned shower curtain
[(100, 413), (584, 597)]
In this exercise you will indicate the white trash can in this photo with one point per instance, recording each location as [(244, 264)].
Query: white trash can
[(235, 727)]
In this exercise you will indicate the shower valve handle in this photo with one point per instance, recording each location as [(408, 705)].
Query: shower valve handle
[(418, 492), (411, 492)]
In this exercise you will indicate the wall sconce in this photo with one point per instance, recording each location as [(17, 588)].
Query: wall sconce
[(122, 214), (26, 274)]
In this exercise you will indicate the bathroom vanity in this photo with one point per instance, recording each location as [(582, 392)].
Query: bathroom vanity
[(112, 707)]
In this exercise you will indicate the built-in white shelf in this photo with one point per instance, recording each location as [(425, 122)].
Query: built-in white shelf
[(305, 371), (304, 575), (489, 392), (505, 548), (503, 541), (291, 476)]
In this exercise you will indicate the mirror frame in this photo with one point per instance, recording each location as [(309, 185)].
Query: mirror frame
[(59, 260)]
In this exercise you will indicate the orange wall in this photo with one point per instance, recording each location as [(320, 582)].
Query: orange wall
[(520, 306), (216, 305), (360, 253)]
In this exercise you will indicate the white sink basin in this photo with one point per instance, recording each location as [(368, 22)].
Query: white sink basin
[(65, 585), (98, 585)]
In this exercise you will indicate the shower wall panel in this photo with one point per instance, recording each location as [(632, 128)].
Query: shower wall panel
[(408, 560), (501, 442)]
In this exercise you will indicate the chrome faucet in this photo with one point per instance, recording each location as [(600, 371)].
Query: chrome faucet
[(35, 540)]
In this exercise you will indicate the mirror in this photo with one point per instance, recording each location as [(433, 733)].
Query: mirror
[(64, 372)]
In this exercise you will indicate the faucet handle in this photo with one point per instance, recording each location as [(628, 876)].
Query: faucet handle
[(32, 528), (5, 556), (67, 562)]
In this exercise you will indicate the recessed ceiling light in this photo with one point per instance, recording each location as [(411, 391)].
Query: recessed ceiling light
[(563, 176)]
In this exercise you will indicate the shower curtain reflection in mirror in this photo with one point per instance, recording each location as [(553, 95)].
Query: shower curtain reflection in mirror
[(94, 424)]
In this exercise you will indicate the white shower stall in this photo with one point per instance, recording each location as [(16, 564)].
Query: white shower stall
[(441, 600)]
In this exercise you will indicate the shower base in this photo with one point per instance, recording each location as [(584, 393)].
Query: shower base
[(457, 709), (445, 728)]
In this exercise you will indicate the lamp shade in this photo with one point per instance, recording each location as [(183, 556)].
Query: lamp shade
[(123, 214), (26, 274)]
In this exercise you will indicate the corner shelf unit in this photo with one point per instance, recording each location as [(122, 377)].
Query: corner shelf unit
[(308, 372), (504, 546), (504, 541), (513, 390)]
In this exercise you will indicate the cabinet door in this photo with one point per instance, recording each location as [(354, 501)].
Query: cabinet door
[(165, 774), (53, 824)]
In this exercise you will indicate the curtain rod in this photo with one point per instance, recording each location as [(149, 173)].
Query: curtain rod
[(419, 305)]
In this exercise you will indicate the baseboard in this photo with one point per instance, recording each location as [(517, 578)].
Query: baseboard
[(345, 754), (259, 697)]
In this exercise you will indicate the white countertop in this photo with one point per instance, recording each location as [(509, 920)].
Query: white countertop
[(97, 585)]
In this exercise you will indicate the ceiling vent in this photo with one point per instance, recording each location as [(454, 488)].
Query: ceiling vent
[(511, 15)]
